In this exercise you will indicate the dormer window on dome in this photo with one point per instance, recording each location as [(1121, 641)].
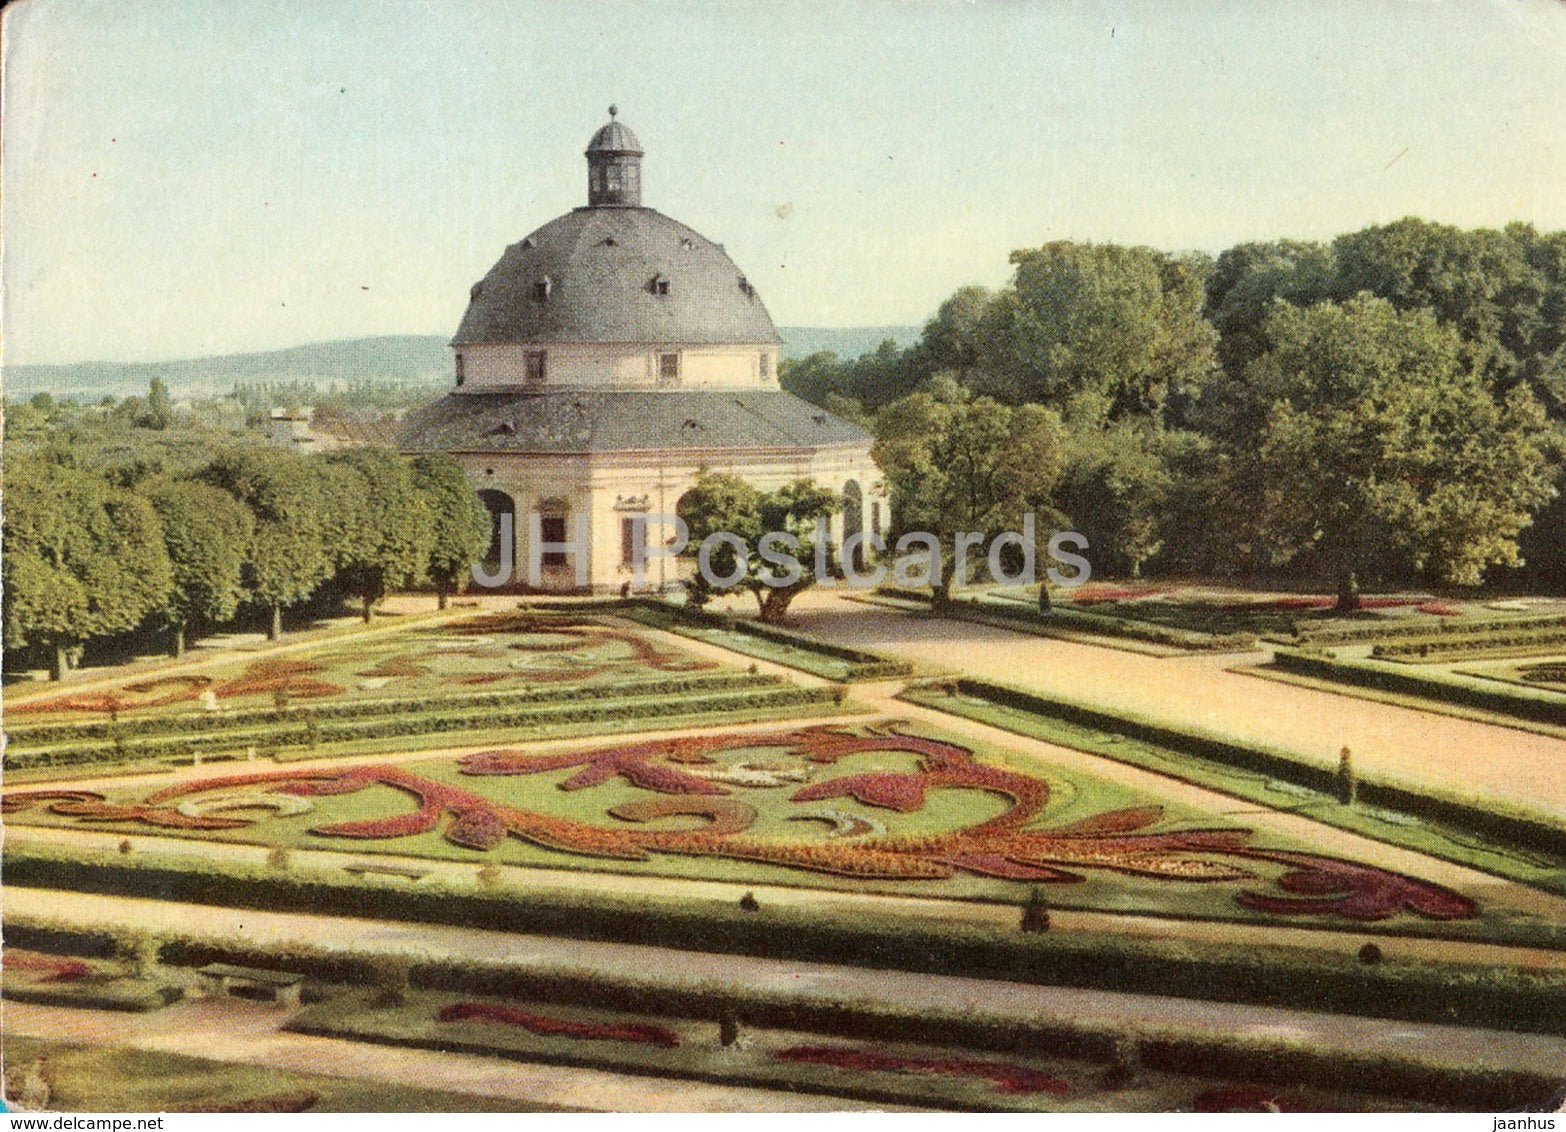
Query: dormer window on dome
[(614, 166), (542, 288)]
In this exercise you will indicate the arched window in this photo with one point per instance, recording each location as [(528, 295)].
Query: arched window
[(498, 504)]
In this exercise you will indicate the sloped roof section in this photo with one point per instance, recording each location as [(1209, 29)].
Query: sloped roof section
[(593, 276), (580, 421)]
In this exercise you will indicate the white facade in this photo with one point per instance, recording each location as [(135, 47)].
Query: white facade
[(609, 489), (633, 366)]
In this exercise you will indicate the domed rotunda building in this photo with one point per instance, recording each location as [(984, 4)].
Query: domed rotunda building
[(607, 360)]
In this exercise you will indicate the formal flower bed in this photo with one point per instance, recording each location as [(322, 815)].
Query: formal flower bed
[(635, 1032), (43, 968), (1006, 1076), (501, 653), (692, 812)]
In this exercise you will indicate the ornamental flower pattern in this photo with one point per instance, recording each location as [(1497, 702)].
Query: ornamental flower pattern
[(1009, 846)]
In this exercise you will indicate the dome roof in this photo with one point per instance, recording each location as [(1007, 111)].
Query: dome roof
[(624, 275), (614, 136)]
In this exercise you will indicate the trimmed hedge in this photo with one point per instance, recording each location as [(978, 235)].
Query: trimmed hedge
[(1527, 831), (1500, 997), (307, 732), (185, 723), (134, 996), (1425, 628), (1536, 704), (1109, 625), (861, 665), (1062, 616), (1436, 648)]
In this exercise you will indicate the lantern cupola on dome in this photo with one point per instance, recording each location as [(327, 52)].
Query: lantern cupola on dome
[(614, 166)]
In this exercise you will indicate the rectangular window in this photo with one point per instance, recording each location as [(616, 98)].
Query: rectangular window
[(552, 529), (766, 366), (612, 172), (460, 370), (535, 366), (875, 518), (668, 369), (632, 538)]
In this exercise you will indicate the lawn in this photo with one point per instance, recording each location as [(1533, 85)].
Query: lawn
[(112, 1079), (884, 808), (1545, 673)]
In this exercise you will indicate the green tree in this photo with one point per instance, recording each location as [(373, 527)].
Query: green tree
[(958, 463), (955, 340), (1480, 282), (390, 546), (207, 534), (289, 556), (1100, 332), (725, 504), (1378, 439), (1248, 278), (160, 409), (459, 524), (1116, 488), (82, 558)]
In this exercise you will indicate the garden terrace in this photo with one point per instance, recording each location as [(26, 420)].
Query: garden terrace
[(603, 1015), (886, 1067), (884, 808)]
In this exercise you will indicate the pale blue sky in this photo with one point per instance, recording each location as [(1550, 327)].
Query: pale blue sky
[(185, 177)]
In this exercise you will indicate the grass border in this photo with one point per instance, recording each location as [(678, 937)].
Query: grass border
[(1537, 706)]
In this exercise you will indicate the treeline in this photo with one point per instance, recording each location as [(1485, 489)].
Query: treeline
[(1386, 406), (94, 552), (349, 397)]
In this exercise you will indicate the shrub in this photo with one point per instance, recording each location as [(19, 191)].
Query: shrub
[(390, 976)]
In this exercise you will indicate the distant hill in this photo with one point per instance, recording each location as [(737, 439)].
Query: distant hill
[(844, 341), (414, 359)]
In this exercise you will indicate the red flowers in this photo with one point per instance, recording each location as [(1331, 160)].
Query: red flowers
[(642, 1033), (45, 968)]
